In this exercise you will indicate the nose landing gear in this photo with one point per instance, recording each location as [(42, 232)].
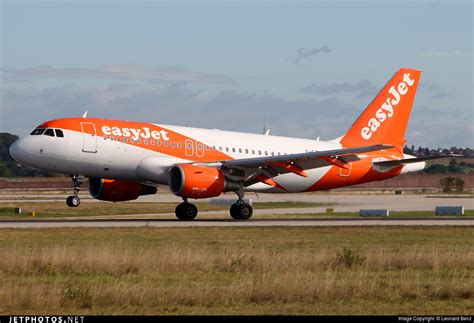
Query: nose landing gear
[(74, 200)]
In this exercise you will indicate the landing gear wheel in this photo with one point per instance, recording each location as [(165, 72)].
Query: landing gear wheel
[(73, 201), (241, 211), (186, 211)]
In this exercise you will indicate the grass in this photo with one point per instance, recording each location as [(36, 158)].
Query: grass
[(57, 210), (60, 209), (288, 205), (366, 270)]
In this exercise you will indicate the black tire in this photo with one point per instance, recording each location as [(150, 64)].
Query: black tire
[(68, 201), (241, 211), (234, 211), (73, 201), (186, 211)]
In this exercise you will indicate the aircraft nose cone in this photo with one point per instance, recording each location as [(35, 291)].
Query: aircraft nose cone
[(18, 151), (14, 150)]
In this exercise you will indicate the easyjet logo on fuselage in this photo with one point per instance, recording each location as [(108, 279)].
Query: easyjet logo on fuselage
[(387, 108), (135, 134)]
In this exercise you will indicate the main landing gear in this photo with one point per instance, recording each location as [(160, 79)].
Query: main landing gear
[(239, 211), (74, 200), (186, 211)]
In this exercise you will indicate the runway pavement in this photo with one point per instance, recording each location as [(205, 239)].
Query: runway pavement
[(110, 223)]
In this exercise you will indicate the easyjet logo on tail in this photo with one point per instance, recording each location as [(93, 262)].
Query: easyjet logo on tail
[(387, 108), (136, 134)]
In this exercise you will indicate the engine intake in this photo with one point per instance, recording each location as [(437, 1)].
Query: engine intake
[(118, 191), (191, 181)]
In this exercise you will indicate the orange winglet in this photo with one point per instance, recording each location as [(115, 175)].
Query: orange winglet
[(334, 161), (292, 168), (267, 180)]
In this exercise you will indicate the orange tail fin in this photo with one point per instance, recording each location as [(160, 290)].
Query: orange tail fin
[(385, 119)]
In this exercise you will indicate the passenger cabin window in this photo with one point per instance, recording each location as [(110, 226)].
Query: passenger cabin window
[(49, 132), (38, 131)]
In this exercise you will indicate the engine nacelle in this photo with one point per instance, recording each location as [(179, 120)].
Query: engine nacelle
[(198, 182), (118, 191)]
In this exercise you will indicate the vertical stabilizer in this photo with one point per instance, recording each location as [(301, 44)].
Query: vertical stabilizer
[(385, 119)]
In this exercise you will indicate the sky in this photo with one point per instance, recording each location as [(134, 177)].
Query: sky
[(302, 69)]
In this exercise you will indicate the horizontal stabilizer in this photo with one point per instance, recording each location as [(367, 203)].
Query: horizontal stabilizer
[(399, 162)]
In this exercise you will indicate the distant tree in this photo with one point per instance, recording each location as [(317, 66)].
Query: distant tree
[(419, 152), (442, 169), (458, 184), (407, 150), (447, 184)]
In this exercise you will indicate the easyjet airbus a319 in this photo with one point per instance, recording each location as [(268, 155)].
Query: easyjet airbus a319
[(124, 160)]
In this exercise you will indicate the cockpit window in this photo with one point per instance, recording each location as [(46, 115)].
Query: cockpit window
[(49, 132), (38, 131), (59, 133)]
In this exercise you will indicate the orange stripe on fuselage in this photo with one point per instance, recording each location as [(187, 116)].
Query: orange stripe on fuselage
[(146, 129), (361, 172)]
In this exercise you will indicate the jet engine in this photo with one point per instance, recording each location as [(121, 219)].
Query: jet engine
[(117, 191), (197, 182)]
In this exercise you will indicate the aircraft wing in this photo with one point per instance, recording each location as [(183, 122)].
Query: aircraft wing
[(345, 154), (263, 169)]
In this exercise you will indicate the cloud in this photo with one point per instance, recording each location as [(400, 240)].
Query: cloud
[(361, 89), (442, 54), (26, 107), (304, 53), (436, 91), (23, 108), (165, 74)]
